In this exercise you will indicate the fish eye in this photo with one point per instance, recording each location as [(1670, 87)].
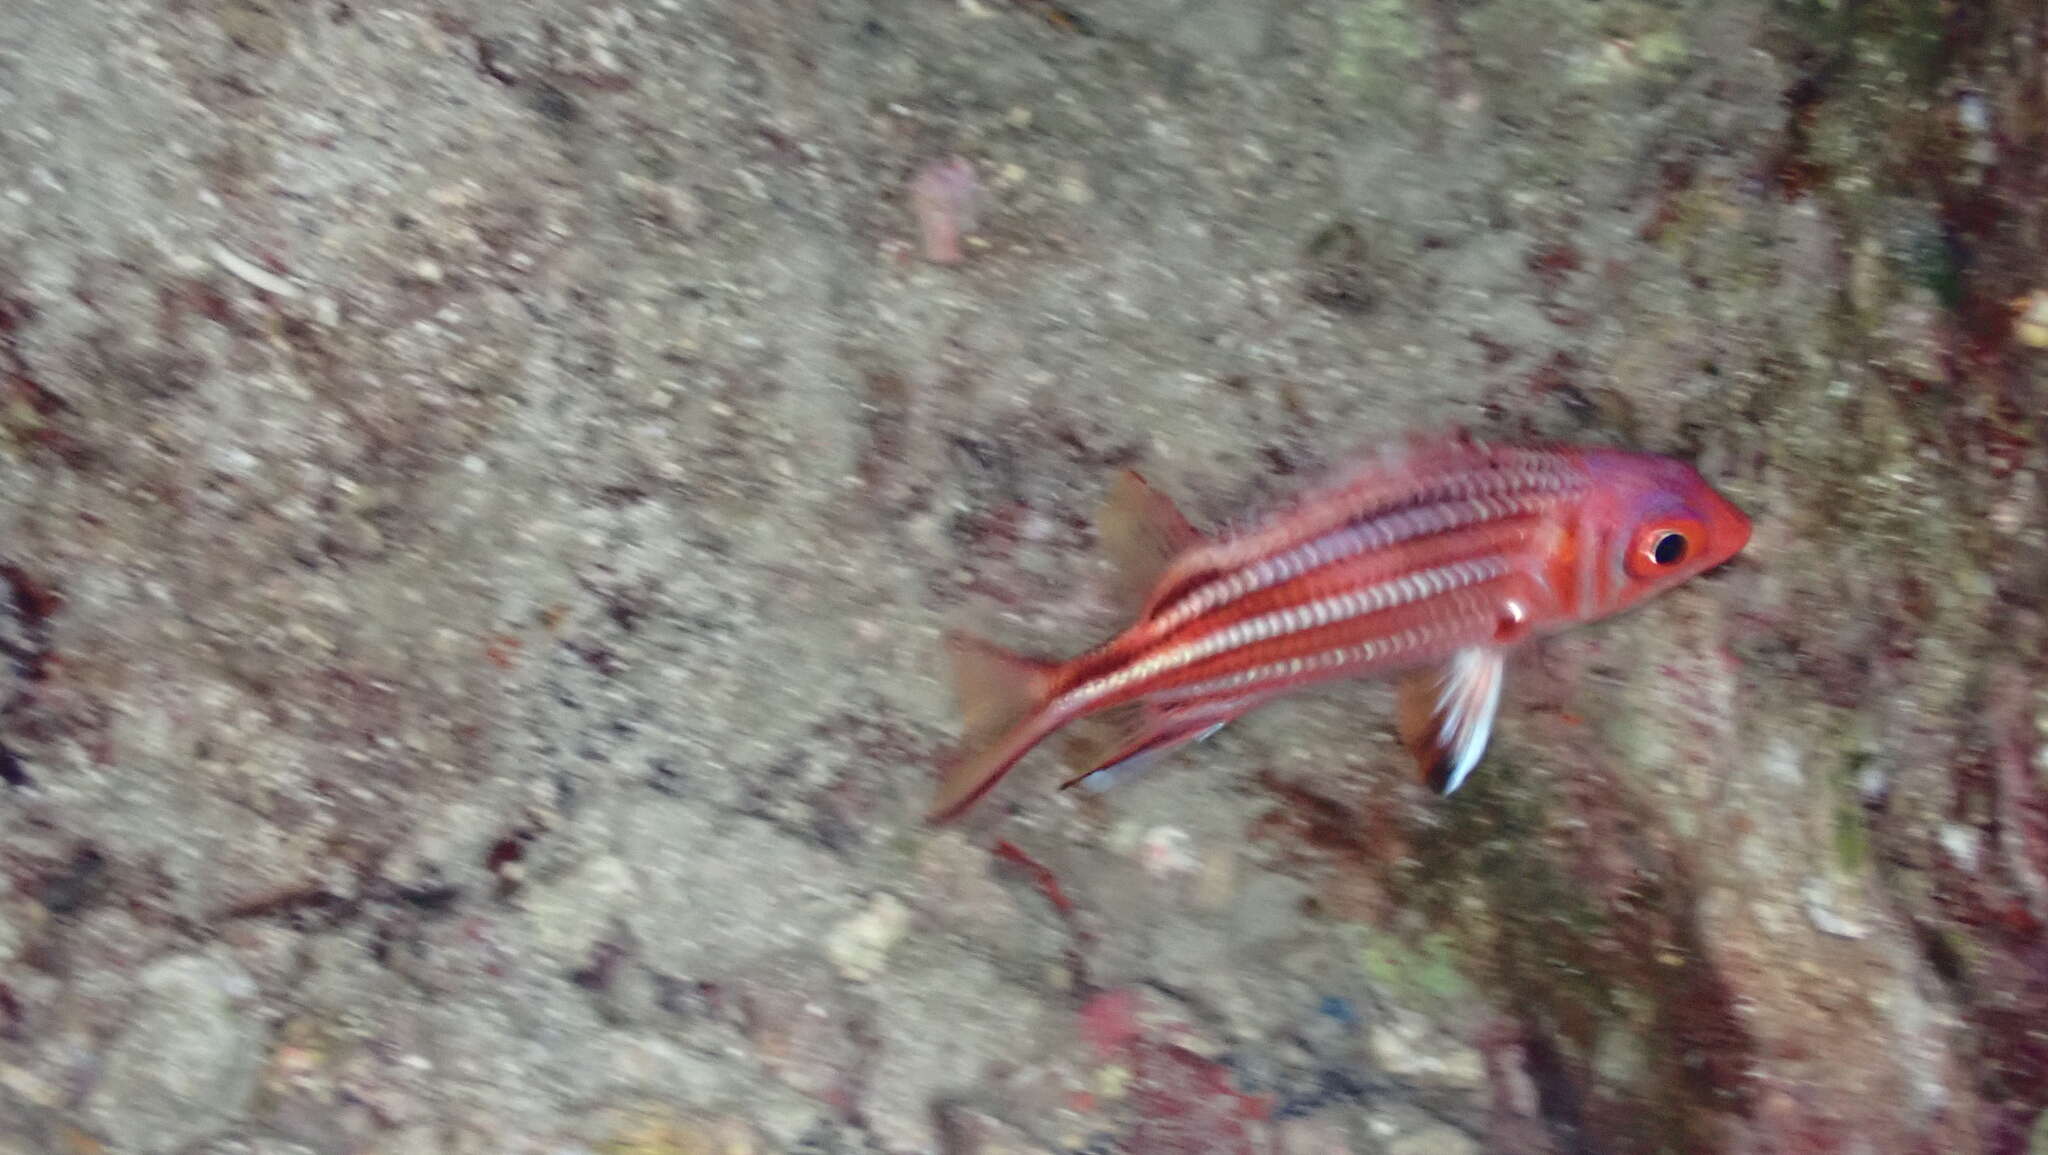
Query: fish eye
[(1669, 548), (1656, 550)]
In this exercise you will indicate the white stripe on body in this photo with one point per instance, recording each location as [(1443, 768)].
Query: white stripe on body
[(1454, 503), (1392, 648), (1398, 591)]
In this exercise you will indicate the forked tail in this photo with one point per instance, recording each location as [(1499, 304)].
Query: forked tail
[(1002, 696)]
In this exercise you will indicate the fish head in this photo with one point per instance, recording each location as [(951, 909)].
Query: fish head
[(1650, 523)]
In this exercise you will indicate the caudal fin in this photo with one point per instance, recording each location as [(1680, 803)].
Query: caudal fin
[(1000, 693)]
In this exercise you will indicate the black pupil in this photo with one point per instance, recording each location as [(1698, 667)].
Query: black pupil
[(1669, 550)]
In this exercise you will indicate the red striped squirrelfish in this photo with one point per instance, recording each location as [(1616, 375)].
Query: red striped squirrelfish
[(1428, 561)]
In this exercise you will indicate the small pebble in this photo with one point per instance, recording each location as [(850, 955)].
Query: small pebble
[(186, 1064), (1407, 1047), (1963, 845), (1167, 853), (253, 274), (2032, 326), (860, 946), (29, 1087), (1819, 900), (944, 197), (1434, 1140), (1338, 1008), (1216, 885)]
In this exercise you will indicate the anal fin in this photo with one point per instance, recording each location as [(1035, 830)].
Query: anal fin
[(1142, 531), (1446, 714), (1121, 743)]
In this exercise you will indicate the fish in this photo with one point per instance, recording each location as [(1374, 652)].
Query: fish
[(1427, 561)]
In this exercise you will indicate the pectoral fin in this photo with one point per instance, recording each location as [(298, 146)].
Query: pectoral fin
[(1446, 714), (1141, 531)]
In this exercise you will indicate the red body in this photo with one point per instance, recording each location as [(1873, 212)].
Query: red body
[(1424, 553)]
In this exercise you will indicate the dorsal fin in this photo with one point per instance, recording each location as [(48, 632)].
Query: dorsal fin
[(1142, 531)]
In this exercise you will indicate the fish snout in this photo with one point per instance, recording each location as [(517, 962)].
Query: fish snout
[(1728, 528)]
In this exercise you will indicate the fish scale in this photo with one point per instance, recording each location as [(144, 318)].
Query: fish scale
[(1306, 540), (1324, 602), (1242, 639), (1466, 617), (1429, 562)]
